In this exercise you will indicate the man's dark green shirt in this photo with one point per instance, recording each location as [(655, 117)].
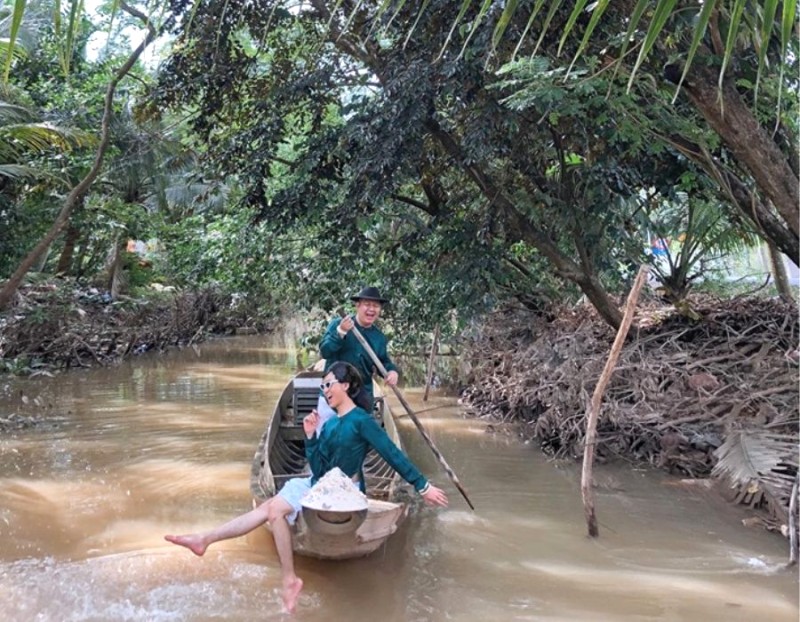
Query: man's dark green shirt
[(348, 348)]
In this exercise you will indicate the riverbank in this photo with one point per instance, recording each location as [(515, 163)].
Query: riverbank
[(714, 396), (57, 324)]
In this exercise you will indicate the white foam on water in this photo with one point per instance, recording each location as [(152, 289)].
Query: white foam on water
[(152, 587)]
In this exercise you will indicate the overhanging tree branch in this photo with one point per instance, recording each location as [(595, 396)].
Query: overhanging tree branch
[(523, 230)]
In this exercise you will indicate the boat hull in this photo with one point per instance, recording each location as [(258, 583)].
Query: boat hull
[(281, 456)]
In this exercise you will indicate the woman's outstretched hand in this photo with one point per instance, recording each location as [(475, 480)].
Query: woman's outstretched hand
[(435, 496), (392, 378)]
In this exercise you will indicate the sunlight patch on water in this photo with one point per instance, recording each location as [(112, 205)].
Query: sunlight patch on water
[(246, 376), (456, 518), (191, 417), (704, 558), (757, 565)]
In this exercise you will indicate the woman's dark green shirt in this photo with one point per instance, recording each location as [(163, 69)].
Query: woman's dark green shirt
[(344, 442)]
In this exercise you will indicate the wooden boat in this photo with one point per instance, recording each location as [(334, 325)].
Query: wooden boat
[(281, 456)]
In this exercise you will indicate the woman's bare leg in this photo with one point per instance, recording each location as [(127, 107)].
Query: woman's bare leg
[(197, 543), (274, 510), (281, 533)]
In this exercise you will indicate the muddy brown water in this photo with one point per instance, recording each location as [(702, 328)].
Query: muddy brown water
[(163, 444)]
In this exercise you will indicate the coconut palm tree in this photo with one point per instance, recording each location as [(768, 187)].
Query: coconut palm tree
[(73, 199)]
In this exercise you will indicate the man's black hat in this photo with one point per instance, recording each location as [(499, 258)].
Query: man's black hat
[(370, 293)]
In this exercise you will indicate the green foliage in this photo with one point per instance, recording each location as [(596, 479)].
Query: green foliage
[(281, 160), (138, 271), (354, 190), (704, 237), (224, 251)]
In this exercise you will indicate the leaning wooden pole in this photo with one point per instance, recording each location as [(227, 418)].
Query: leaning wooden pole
[(450, 473), (793, 547), (593, 414), (431, 362)]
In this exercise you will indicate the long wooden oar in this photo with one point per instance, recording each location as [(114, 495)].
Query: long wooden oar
[(451, 474)]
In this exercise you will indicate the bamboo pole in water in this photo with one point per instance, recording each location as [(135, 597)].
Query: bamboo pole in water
[(593, 412), (793, 523), (431, 360)]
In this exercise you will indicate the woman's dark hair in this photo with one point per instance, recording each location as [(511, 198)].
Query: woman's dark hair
[(345, 372)]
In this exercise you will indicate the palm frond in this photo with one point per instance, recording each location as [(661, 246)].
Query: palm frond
[(597, 13), (751, 458), (699, 32), (28, 173), (647, 17), (15, 50), (660, 16), (536, 8), (505, 19), (580, 5), (16, 22), (41, 136), (475, 23), (733, 31), (10, 113), (465, 4), (767, 21), (18, 171), (66, 36)]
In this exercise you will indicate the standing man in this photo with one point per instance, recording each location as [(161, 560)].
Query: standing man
[(339, 344)]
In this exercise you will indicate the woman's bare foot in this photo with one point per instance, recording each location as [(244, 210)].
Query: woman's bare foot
[(194, 542), (291, 592)]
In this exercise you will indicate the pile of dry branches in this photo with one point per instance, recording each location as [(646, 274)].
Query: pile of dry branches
[(679, 387), (61, 326)]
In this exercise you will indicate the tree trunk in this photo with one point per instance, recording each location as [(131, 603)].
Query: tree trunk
[(76, 194), (431, 363), (116, 280), (748, 204), (778, 269), (593, 412), (734, 121), (41, 261), (71, 238)]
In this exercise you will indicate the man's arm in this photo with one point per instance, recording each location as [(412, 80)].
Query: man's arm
[(332, 341)]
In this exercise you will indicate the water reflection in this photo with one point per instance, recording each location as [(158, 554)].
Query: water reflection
[(163, 445)]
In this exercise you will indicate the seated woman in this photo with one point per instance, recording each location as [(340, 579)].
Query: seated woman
[(343, 442)]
